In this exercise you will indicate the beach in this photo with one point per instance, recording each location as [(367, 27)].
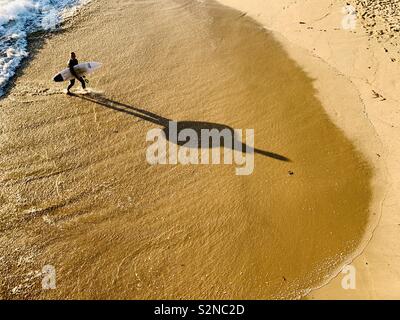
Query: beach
[(79, 195), (366, 57)]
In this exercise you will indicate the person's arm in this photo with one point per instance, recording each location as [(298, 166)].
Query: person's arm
[(71, 68)]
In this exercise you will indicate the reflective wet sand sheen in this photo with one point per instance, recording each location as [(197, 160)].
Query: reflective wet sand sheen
[(78, 194)]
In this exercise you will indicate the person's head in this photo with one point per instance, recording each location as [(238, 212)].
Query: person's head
[(73, 55)]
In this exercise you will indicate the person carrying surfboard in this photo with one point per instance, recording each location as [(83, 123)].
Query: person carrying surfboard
[(71, 64)]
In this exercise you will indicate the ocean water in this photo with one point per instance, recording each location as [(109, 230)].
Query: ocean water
[(78, 193), (19, 18)]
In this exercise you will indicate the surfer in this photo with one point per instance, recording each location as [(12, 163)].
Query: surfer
[(72, 63)]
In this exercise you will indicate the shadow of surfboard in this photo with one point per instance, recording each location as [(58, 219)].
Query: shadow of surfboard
[(197, 126)]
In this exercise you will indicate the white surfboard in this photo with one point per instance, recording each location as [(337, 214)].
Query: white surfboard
[(80, 69)]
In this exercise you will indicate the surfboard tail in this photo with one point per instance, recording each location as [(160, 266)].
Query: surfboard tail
[(58, 78)]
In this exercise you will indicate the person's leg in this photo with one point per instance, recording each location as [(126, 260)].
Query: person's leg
[(71, 84), (82, 82)]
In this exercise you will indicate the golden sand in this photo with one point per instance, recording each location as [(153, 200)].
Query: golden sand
[(78, 194), (356, 74)]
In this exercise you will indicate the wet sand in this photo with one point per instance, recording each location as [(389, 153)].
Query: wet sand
[(78, 194), (356, 76)]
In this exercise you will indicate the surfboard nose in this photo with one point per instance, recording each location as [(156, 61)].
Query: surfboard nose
[(58, 78)]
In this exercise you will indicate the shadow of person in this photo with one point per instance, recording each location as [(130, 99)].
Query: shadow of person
[(196, 126)]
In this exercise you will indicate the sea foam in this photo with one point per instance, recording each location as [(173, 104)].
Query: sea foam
[(19, 18)]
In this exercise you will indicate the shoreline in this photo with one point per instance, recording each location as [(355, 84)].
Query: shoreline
[(51, 21), (37, 39), (295, 26), (344, 119)]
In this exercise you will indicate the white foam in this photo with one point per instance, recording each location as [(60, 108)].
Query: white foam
[(89, 91), (18, 18)]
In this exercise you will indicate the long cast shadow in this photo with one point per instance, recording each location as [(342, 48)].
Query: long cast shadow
[(197, 126)]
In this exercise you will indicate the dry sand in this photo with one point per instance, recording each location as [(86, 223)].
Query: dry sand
[(77, 192), (366, 61)]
